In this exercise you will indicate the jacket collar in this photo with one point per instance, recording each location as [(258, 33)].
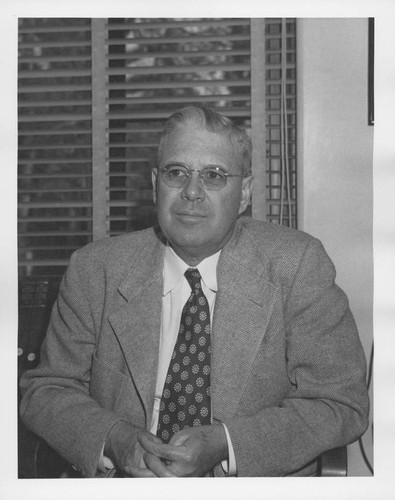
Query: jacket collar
[(137, 324)]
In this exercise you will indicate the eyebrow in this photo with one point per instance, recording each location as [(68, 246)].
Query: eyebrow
[(176, 164), (180, 164)]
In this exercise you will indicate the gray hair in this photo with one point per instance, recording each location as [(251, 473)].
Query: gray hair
[(206, 118)]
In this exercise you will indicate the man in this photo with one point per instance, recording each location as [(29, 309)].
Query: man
[(275, 374)]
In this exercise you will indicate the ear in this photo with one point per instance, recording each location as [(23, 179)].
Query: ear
[(154, 176), (246, 191)]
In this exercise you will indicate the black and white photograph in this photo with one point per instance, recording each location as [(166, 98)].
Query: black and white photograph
[(197, 285)]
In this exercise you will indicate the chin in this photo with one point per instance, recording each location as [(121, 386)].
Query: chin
[(187, 242)]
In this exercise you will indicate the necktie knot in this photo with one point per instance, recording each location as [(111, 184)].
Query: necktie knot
[(193, 277)]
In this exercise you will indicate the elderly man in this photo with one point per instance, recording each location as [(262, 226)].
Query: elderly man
[(212, 345)]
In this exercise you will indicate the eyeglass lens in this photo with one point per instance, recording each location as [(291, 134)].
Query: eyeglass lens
[(177, 176)]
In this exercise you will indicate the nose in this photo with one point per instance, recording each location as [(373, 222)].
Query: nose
[(194, 189)]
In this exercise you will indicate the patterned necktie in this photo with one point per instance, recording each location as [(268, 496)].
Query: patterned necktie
[(186, 398)]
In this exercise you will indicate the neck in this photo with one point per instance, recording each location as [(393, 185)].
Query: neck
[(194, 255), (193, 260)]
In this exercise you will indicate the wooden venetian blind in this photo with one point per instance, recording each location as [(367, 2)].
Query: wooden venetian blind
[(93, 97), (55, 142), (155, 67)]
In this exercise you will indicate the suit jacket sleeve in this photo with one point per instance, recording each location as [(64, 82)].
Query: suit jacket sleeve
[(56, 402), (327, 405)]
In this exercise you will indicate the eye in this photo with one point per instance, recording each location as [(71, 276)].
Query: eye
[(213, 174), (176, 172)]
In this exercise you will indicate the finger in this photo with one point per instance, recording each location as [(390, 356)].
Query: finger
[(151, 443), (178, 439), (165, 451), (156, 465), (131, 471), (147, 437)]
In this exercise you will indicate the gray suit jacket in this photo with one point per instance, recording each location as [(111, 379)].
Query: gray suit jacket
[(288, 369)]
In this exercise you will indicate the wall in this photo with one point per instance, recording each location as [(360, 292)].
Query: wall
[(335, 152)]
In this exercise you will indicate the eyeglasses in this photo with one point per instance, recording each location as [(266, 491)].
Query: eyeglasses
[(213, 178)]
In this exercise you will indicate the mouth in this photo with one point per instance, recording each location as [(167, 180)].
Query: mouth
[(190, 216)]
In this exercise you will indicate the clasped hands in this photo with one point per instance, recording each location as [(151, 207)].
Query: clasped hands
[(192, 452)]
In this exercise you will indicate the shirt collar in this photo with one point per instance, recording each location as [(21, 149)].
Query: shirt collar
[(174, 269)]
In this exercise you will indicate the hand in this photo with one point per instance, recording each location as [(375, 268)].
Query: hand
[(122, 446), (191, 452)]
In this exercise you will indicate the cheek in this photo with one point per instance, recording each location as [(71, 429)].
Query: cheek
[(227, 207), (164, 200), (165, 207)]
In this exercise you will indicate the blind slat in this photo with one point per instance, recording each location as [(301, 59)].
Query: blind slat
[(54, 73), (44, 262), (179, 39), (40, 59), (192, 98), (64, 88), (56, 28), (53, 102), (53, 45), (153, 144), (60, 176), (50, 132), (54, 190), (54, 234), (159, 70), (58, 147), (155, 115), (57, 204), (54, 117), (52, 247), (53, 161), (54, 219), (225, 52), (148, 85), (167, 23)]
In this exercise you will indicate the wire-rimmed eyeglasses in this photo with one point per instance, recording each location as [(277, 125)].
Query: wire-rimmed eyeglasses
[(213, 178)]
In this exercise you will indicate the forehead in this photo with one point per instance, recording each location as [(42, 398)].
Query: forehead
[(193, 145)]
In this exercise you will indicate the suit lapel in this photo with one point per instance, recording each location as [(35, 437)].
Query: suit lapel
[(137, 324), (243, 308)]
